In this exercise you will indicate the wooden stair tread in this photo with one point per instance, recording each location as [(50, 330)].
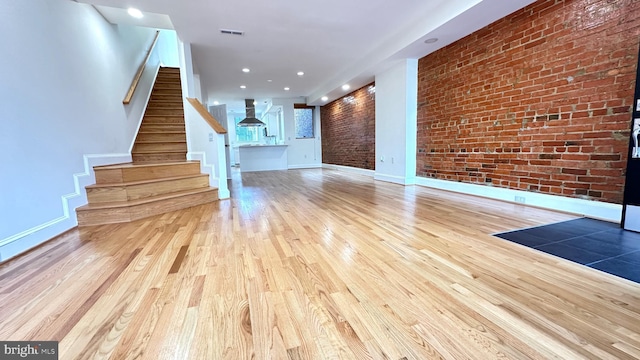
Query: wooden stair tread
[(142, 182), (149, 151), (133, 164), (162, 127), (147, 200), (171, 132), (156, 130), (160, 141)]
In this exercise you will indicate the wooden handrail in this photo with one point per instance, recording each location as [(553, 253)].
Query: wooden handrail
[(215, 125), (136, 78)]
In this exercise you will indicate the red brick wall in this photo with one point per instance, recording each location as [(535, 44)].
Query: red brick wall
[(537, 101), (349, 130)]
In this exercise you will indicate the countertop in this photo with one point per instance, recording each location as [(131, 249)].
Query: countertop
[(260, 145)]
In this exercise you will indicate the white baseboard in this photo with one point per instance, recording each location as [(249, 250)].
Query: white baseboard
[(207, 168), (27, 239), (224, 194), (594, 209), (395, 179), (349, 169), (304, 166)]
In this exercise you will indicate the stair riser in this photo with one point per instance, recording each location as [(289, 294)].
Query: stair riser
[(117, 176), (164, 104), (183, 202), (166, 97), (111, 216), (176, 92), (161, 136), (164, 111), (150, 158), (160, 128), (167, 80), (160, 119), (167, 187), (166, 86), (108, 176), (103, 195), (140, 191), (160, 147), (102, 216)]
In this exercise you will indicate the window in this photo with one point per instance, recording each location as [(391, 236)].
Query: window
[(246, 133), (304, 122)]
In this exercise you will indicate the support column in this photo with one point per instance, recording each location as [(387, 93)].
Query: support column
[(396, 123)]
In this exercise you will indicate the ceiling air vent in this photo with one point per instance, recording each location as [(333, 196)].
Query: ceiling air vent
[(231, 32)]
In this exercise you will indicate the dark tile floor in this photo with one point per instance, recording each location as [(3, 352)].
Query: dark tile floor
[(598, 244)]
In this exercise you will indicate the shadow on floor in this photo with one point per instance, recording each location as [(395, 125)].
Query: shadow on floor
[(597, 244)]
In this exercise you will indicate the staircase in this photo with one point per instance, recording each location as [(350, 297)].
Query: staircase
[(159, 179)]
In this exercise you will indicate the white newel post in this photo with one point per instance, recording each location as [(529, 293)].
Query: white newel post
[(221, 168)]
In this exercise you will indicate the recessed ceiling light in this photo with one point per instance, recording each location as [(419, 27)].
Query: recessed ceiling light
[(300, 73), (431, 40), (135, 13), (286, 89), (246, 70), (269, 80), (243, 86), (346, 87), (216, 103), (324, 98)]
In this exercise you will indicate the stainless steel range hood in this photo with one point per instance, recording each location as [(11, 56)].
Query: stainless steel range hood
[(251, 119)]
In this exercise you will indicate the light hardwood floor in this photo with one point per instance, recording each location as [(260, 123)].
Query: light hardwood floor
[(318, 264)]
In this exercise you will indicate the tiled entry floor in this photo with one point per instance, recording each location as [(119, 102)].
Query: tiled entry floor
[(598, 244)]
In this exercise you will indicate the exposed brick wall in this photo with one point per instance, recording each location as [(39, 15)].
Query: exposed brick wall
[(349, 130), (537, 101)]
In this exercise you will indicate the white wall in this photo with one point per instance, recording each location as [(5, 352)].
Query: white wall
[(396, 123), (64, 72), (219, 112), (203, 143), (302, 153)]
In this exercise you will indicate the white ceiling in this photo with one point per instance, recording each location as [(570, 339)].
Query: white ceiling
[(333, 42)]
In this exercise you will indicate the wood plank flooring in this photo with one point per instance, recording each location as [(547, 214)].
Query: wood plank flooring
[(318, 264)]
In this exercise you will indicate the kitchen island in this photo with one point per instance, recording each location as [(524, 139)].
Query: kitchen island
[(263, 157)]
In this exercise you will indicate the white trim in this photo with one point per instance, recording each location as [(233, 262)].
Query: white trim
[(27, 239), (144, 109), (594, 209), (223, 187), (206, 168), (349, 169), (395, 179), (304, 166)]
